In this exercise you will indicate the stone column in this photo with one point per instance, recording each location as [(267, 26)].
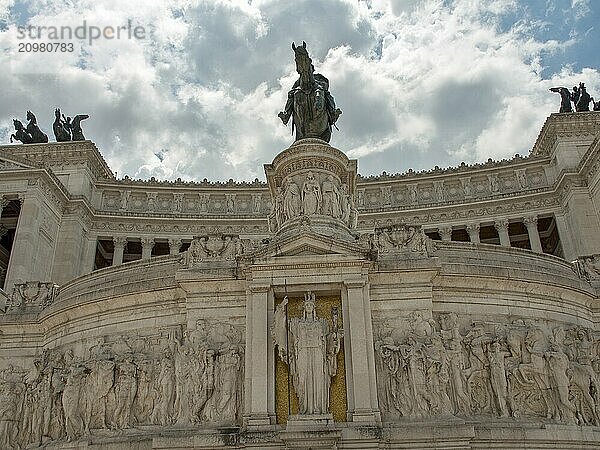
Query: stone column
[(119, 248), (534, 235), (502, 229), (3, 204), (147, 246), (445, 232), (256, 382), (360, 357), (473, 230), (174, 246)]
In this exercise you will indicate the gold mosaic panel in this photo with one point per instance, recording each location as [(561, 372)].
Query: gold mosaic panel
[(283, 380)]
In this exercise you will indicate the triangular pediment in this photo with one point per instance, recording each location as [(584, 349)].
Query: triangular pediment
[(11, 162), (308, 243)]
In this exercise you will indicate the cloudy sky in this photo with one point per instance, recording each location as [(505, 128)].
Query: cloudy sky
[(420, 82)]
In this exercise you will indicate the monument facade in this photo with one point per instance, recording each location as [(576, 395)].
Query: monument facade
[(449, 308)]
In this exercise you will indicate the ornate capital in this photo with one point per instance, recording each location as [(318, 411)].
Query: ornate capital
[(3, 202), (473, 228), (530, 221), (147, 242), (501, 225), (175, 243), (445, 232), (119, 241)]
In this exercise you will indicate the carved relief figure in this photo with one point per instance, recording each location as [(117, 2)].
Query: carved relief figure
[(230, 203), (177, 202), (256, 203), (292, 202), (494, 183), (125, 195), (499, 383), (204, 202), (412, 193), (11, 391), (331, 198), (125, 391), (311, 196), (71, 402)]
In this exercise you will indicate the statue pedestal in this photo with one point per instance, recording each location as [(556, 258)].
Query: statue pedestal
[(316, 431), (312, 186), (309, 421)]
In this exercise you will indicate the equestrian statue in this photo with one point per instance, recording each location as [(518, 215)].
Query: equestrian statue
[(309, 103)]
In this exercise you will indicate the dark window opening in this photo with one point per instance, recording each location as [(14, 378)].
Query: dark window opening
[(488, 235), (433, 235), (104, 253), (460, 235), (517, 232), (133, 251), (160, 248), (549, 236)]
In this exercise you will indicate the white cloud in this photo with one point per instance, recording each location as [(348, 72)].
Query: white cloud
[(420, 83)]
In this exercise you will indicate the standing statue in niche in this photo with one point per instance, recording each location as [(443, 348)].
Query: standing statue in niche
[(311, 348), (309, 104)]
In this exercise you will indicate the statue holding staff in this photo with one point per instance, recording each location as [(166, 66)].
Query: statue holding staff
[(310, 346)]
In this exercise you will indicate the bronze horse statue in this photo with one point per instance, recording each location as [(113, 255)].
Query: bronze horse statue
[(30, 135), (309, 104)]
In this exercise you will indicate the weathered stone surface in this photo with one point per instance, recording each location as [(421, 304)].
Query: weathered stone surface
[(441, 342)]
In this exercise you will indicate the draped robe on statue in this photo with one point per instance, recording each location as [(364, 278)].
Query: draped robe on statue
[(310, 371), (313, 348)]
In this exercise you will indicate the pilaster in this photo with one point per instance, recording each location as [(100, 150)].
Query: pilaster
[(257, 411), (360, 356)]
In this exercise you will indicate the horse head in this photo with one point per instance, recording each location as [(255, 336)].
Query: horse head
[(303, 62), (18, 124), (31, 116)]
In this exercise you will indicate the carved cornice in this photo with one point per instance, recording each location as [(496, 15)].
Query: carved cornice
[(64, 154), (566, 125)]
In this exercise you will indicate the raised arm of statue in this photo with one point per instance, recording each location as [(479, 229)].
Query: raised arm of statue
[(280, 328)]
